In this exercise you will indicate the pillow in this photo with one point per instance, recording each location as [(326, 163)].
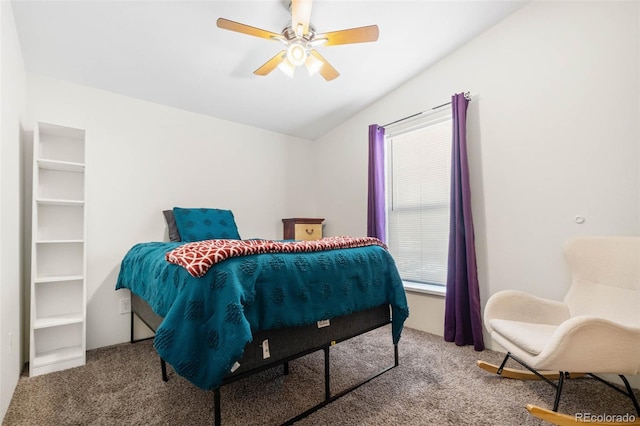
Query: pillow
[(174, 235), (205, 224)]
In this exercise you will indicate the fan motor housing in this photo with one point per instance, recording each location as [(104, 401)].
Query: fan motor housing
[(289, 33)]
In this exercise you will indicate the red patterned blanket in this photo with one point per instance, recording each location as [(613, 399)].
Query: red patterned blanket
[(198, 257)]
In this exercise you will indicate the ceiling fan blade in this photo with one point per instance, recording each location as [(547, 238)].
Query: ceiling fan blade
[(246, 29), (271, 64), (352, 35), (300, 15), (327, 71)]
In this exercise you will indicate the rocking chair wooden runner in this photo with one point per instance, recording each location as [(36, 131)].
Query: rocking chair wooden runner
[(595, 330)]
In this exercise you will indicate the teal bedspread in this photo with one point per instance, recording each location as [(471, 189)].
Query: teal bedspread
[(209, 320)]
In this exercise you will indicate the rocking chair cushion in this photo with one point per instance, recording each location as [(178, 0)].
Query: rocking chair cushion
[(527, 336)]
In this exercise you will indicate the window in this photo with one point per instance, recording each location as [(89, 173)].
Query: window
[(418, 191)]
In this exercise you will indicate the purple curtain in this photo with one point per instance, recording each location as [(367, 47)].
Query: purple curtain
[(462, 318), (376, 214)]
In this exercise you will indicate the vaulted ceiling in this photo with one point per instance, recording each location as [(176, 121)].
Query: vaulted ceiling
[(172, 53)]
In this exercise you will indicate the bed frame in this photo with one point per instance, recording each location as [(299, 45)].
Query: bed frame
[(284, 345)]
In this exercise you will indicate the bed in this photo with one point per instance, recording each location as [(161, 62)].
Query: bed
[(260, 303)]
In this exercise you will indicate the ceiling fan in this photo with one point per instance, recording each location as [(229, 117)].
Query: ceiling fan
[(300, 40)]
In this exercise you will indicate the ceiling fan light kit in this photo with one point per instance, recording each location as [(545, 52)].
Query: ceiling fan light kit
[(286, 67), (300, 40), (296, 53), (313, 65)]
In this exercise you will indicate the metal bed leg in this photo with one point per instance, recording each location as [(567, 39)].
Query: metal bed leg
[(132, 339), (327, 376), (396, 361), (163, 366), (328, 398), (217, 412)]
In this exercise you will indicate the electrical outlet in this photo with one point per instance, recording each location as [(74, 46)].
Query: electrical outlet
[(125, 306)]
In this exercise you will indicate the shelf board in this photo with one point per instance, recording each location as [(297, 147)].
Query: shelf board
[(48, 129), (57, 321), (59, 241), (59, 202), (64, 166), (59, 278), (60, 355)]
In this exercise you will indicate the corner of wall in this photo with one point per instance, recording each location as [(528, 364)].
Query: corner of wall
[(12, 111)]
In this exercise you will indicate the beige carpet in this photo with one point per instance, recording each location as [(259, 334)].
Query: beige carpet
[(436, 383)]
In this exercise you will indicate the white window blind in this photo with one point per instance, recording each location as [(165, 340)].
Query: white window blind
[(419, 173)]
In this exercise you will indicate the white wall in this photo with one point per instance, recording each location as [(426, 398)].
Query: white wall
[(553, 132), (12, 111), (142, 158)]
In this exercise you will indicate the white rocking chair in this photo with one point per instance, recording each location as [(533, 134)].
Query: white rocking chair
[(595, 330)]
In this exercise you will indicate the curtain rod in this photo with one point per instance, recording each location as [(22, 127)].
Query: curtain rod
[(467, 96)]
